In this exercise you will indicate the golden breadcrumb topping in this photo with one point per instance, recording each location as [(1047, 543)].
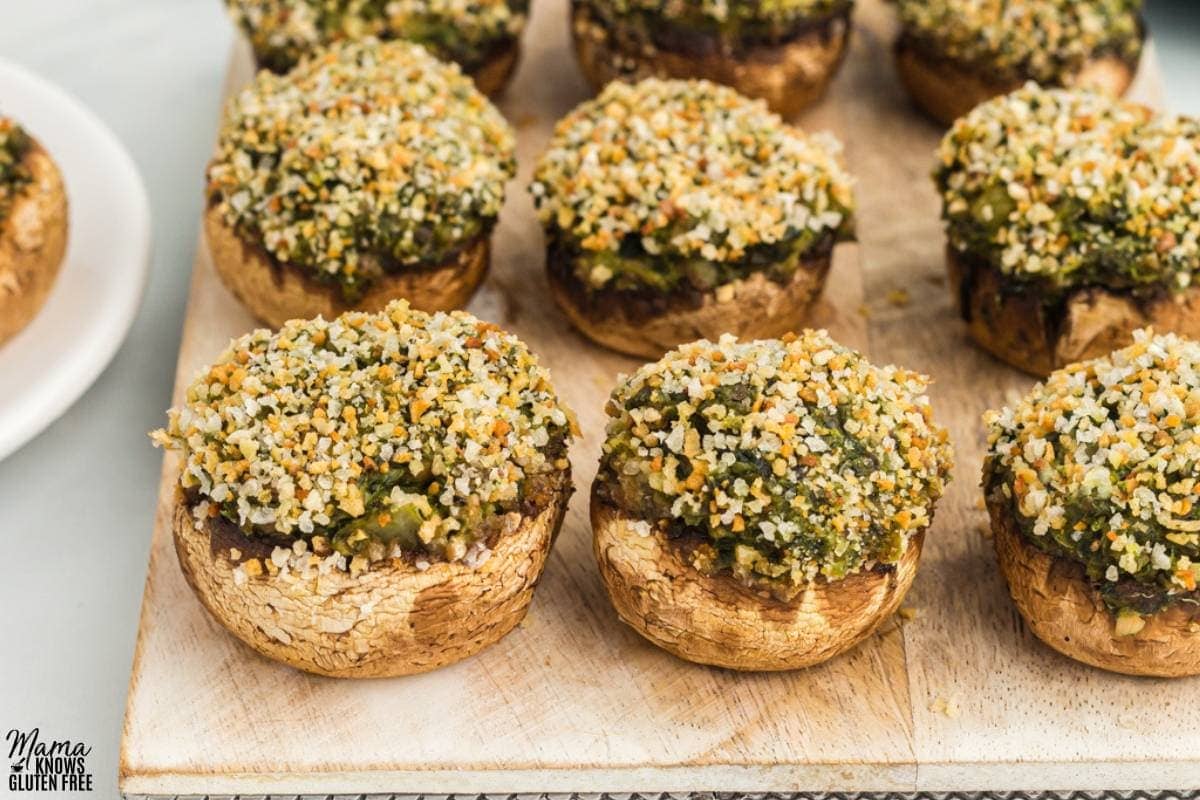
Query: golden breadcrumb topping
[(465, 31), (1101, 463), (1070, 187), (370, 158), (790, 459), (1044, 40), (14, 144), (397, 428), (687, 170)]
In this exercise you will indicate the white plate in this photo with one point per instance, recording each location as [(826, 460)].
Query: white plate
[(48, 365)]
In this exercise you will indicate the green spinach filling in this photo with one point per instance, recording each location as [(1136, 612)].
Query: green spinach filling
[(14, 176)]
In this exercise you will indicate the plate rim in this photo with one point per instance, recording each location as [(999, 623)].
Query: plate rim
[(42, 402)]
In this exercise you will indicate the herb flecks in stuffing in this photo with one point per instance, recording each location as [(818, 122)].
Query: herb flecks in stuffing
[(1066, 188), (664, 178), (369, 158), (397, 432), (14, 144), (789, 460), (464, 31), (1101, 464), (1044, 40), (735, 23)]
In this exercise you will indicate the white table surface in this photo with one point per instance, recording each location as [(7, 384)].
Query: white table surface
[(76, 503)]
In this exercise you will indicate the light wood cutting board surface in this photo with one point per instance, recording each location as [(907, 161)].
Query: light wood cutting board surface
[(574, 701)]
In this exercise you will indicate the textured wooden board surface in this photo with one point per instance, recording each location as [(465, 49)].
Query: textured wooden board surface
[(572, 700)]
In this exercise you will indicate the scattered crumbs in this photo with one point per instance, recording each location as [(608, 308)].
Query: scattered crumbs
[(235, 554), (907, 613), (899, 298), (947, 708), (864, 311)]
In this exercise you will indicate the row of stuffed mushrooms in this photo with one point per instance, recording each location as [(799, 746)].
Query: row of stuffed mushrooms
[(377, 495), (950, 54), (675, 210)]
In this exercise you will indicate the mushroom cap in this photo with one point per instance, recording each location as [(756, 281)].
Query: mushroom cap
[(1063, 610), (391, 619), (33, 239), (789, 76), (1018, 328), (275, 293), (946, 91), (719, 621), (756, 308)]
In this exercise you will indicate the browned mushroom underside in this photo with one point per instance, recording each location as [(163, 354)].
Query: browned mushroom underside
[(789, 76), (1016, 326), (1063, 610), (947, 90), (275, 292), (718, 620), (647, 324), (392, 619), (33, 239)]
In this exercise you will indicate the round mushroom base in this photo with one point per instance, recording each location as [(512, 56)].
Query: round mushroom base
[(1062, 609), (755, 307), (790, 76), (33, 239), (393, 618), (1020, 329), (719, 621), (275, 293), (946, 90)]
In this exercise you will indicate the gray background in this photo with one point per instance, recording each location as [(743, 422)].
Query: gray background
[(76, 503)]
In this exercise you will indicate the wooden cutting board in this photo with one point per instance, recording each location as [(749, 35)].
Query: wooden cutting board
[(959, 697)]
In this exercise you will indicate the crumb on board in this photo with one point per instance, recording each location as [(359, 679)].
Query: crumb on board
[(946, 707), (907, 613), (899, 298)]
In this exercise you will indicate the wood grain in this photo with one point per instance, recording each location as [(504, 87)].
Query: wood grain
[(573, 700)]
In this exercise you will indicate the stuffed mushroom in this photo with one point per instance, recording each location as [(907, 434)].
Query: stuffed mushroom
[(370, 172), (954, 54), (785, 52), (1091, 483), (1073, 219), (373, 495), (33, 227), (761, 505), (679, 210), (481, 36)]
